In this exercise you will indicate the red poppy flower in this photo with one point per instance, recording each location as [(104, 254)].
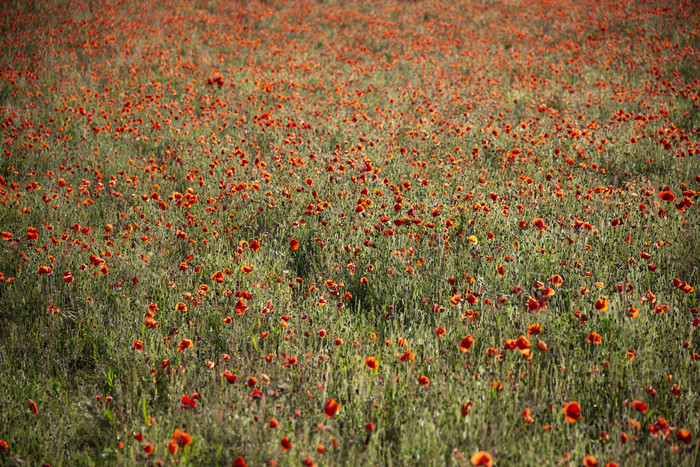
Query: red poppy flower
[(572, 411), (241, 307), (667, 195), (465, 408), (184, 343), (539, 223), (230, 377), (371, 363), (331, 408), (32, 406), (424, 380), (602, 304), (639, 406), (286, 445), (294, 244), (466, 343), (239, 462), (594, 338), (522, 343), (32, 233), (684, 435)]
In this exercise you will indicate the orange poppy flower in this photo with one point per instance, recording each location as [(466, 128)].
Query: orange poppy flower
[(482, 458), (539, 223), (33, 407), (632, 312), (246, 269), (466, 343), (594, 338), (370, 426), (602, 304), (331, 408), (32, 233), (424, 380), (572, 411), (590, 461), (534, 329), (294, 244), (241, 307), (184, 343), (522, 343), (3, 445), (274, 423), (180, 307), (137, 345), (556, 280), (371, 363)]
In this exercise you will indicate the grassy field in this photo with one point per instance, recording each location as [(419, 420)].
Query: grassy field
[(349, 233)]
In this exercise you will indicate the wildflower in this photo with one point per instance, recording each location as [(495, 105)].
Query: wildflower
[(684, 435), (639, 406), (331, 408), (371, 363), (602, 304), (482, 458), (466, 343), (286, 445), (572, 411), (594, 338)]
